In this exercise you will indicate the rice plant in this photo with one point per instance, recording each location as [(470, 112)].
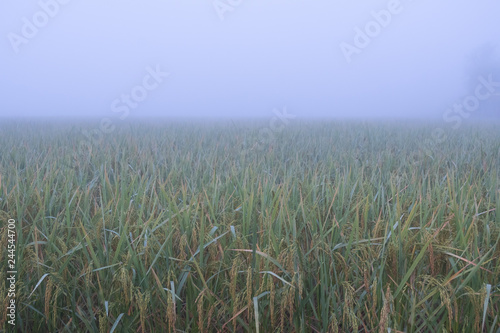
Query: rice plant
[(180, 226)]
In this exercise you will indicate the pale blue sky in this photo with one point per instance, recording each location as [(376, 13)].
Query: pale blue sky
[(265, 54)]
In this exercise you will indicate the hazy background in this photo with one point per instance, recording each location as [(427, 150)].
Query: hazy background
[(260, 55)]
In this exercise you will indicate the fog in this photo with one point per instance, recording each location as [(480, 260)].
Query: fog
[(237, 58)]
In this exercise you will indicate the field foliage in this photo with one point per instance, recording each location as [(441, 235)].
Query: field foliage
[(211, 226)]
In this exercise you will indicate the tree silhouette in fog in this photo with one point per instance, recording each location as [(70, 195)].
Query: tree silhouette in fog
[(484, 62)]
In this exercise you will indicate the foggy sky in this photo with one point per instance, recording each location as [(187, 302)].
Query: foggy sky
[(239, 57)]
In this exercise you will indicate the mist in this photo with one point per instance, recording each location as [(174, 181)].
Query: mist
[(239, 58)]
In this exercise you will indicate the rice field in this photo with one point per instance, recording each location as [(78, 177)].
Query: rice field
[(186, 226)]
